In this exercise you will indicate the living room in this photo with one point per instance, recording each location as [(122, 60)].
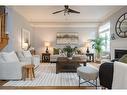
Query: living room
[(42, 30)]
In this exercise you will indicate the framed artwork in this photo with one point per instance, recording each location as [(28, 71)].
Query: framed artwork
[(25, 37), (67, 38)]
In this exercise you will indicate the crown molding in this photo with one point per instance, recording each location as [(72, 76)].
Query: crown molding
[(65, 24)]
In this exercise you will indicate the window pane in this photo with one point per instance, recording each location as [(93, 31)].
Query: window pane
[(104, 31)]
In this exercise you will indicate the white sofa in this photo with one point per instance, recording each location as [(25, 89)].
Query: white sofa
[(53, 58), (11, 64)]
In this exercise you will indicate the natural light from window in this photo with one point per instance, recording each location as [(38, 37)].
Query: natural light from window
[(104, 31)]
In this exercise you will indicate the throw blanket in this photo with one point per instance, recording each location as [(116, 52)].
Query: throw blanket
[(119, 76)]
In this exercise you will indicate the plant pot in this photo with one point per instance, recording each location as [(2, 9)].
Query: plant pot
[(69, 54)]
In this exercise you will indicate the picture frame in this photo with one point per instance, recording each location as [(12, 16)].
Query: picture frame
[(63, 38)]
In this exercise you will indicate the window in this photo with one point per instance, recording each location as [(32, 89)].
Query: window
[(104, 31)]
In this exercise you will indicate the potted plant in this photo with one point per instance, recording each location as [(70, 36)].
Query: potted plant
[(69, 50), (97, 45)]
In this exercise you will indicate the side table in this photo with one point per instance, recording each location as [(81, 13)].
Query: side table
[(45, 57), (90, 57), (28, 72)]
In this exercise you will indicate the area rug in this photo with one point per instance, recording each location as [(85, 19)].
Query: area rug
[(45, 75)]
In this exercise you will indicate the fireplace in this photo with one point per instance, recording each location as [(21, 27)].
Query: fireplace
[(119, 53)]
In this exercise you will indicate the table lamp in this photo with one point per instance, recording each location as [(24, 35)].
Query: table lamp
[(87, 45), (25, 45), (47, 44)]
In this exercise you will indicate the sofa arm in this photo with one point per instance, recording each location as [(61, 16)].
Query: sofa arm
[(36, 60), (10, 67), (116, 59), (10, 64), (11, 70), (26, 59), (36, 56)]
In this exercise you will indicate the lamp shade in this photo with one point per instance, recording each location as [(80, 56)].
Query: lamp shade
[(46, 43), (87, 44), (25, 46)]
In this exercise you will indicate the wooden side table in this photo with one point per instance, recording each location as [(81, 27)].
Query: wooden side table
[(45, 57), (90, 57), (28, 72)]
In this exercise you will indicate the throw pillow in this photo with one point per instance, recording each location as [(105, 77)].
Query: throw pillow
[(55, 51), (1, 58), (123, 58), (79, 51), (20, 54), (27, 54), (10, 57)]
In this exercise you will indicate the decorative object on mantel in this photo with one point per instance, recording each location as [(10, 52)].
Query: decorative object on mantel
[(97, 45), (47, 44), (63, 38), (121, 26)]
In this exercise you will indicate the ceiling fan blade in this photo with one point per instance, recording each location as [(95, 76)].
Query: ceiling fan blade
[(57, 11), (73, 11)]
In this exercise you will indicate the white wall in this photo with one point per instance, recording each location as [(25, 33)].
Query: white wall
[(14, 24), (39, 35), (119, 43)]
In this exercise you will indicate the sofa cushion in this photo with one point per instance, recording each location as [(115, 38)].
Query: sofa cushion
[(55, 51), (1, 58), (123, 58), (10, 57), (27, 54), (78, 51), (20, 54)]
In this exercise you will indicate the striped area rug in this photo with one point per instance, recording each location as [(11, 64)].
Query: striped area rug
[(45, 75)]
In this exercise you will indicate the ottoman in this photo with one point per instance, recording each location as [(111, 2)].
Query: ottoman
[(88, 73)]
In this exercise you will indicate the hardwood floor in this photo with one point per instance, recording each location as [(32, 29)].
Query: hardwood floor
[(2, 82), (49, 87), (43, 87)]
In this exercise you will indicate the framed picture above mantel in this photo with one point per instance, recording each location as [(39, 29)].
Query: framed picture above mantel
[(63, 38)]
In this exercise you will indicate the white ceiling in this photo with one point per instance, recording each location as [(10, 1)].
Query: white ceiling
[(88, 14)]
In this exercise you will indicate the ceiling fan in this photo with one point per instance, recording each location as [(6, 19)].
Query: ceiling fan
[(66, 10)]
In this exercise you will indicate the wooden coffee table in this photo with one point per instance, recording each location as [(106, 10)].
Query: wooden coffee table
[(65, 64), (28, 71)]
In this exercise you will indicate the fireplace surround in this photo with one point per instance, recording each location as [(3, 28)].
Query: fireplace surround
[(119, 53)]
